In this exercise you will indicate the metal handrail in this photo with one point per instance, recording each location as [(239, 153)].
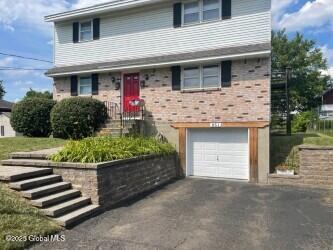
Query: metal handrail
[(113, 110)]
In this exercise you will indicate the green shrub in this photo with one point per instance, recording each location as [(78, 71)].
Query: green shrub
[(302, 120), (100, 149), (77, 117), (31, 117)]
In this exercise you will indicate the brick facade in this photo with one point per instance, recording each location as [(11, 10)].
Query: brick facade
[(248, 98)]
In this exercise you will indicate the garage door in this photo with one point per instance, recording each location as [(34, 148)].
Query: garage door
[(218, 152)]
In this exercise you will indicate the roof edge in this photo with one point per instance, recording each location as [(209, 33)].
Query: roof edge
[(264, 53), (98, 9)]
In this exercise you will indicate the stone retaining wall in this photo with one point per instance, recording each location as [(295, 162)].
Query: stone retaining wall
[(111, 182), (316, 168)]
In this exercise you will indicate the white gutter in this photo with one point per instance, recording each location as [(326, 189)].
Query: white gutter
[(265, 53), (98, 9)]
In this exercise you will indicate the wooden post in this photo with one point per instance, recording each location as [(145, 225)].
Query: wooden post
[(254, 155)]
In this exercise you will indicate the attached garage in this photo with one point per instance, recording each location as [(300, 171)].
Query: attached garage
[(218, 152)]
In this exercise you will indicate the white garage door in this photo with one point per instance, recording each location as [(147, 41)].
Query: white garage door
[(220, 152)]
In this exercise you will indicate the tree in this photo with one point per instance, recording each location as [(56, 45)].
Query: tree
[(36, 94), (2, 90), (307, 62)]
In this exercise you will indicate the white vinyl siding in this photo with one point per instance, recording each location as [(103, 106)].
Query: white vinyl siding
[(6, 127), (150, 32)]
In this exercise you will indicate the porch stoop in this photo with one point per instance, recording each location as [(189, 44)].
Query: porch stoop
[(117, 128), (46, 191)]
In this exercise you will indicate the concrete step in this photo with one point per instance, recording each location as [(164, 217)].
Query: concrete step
[(77, 216), (39, 154), (25, 162), (66, 207), (15, 172), (55, 198), (46, 190), (35, 182)]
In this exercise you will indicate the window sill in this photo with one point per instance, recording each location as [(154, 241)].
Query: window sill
[(200, 90), (202, 22), (87, 41)]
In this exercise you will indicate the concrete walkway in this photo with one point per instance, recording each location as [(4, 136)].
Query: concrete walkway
[(211, 214)]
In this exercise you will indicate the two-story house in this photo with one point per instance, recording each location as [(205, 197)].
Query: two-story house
[(202, 68)]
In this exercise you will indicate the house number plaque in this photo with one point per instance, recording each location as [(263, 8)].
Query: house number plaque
[(216, 125)]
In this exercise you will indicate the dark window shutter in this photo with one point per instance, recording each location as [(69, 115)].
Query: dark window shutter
[(74, 86), (226, 73), (96, 28), (176, 77), (94, 80), (226, 9), (75, 32), (177, 15)]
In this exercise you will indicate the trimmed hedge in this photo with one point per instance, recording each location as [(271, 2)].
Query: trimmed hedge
[(100, 149), (77, 117), (31, 117)]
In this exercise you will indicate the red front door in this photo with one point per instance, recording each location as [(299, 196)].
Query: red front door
[(131, 92)]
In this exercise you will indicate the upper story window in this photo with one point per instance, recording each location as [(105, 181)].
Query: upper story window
[(86, 33), (85, 85), (201, 11), (201, 77), (191, 12), (210, 10)]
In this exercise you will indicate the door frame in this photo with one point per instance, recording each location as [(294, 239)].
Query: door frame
[(122, 86), (253, 127), (187, 167)]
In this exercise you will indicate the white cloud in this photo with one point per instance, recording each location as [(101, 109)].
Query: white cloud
[(328, 52), (7, 61), (328, 72), (23, 83), (313, 14), (29, 13), (278, 9)]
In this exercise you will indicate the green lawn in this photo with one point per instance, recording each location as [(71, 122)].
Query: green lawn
[(17, 217), (284, 149), (9, 145)]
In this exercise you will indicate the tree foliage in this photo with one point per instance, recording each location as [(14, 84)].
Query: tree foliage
[(2, 90), (31, 117), (36, 94), (307, 62)]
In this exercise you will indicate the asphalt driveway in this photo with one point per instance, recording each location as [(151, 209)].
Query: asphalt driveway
[(211, 214)]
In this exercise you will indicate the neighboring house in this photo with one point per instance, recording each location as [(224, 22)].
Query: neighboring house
[(326, 110), (6, 129), (202, 68)]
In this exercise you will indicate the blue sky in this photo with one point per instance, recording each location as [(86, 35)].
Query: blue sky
[(23, 32)]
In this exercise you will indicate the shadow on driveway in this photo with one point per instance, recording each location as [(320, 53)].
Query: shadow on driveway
[(211, 214)]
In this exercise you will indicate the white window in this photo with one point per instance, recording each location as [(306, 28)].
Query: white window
[(210, 76), (211, 10), (85, 86), (191, 12), (201, 11), (86, 31), (192, 78), (201, 77)]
